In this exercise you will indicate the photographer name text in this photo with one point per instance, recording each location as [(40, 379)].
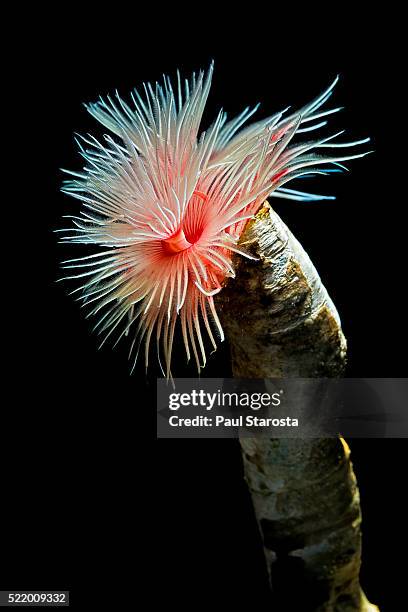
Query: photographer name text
[(239, 421)]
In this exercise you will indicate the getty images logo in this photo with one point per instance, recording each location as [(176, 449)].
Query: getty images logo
[(208, 400)]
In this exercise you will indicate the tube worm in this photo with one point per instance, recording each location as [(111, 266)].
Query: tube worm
[(166, 208)]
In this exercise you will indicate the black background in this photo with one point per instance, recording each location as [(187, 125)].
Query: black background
[(90, 501)]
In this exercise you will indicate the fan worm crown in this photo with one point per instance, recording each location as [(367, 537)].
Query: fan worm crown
[(166, 205)]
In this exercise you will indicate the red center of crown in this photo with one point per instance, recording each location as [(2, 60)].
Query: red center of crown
[(184, 237), (176, 243)]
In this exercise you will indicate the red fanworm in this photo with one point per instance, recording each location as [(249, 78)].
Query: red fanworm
[(168, 206)]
